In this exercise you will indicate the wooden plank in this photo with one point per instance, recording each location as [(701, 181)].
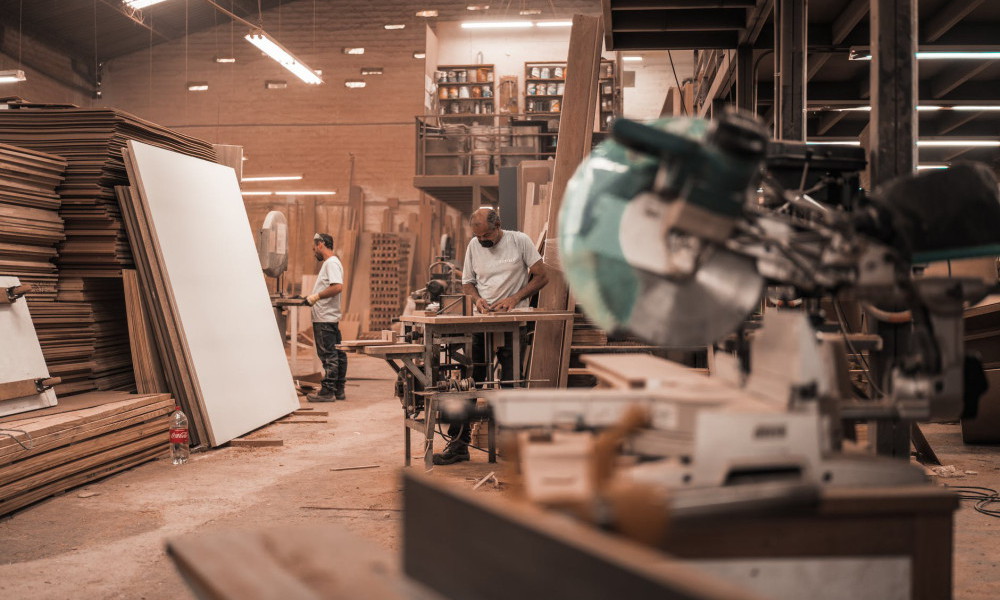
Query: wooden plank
[(259, 443), (575, 132), (146, 364)]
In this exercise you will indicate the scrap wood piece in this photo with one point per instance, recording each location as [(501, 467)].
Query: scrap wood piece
[(355, 468), (257, 443), (309, 412), (299, 421), (352, 508)]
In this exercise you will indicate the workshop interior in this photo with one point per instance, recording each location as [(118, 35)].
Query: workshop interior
[(582, 299)]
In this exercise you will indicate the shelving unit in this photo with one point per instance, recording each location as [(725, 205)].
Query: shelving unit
[(466, 90), (539, 76)]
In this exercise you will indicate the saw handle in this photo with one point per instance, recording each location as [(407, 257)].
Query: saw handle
[(650, 140)]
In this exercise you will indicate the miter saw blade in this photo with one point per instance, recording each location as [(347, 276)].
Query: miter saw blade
[(618, 262)]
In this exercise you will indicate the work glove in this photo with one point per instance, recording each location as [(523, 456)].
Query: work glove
[(312, 300)]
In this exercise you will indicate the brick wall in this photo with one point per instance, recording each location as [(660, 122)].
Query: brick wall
[(308, 130)]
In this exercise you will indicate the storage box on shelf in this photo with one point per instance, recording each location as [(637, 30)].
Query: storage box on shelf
[(544, 86), (466, 90)]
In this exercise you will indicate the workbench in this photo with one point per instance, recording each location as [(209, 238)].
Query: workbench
[(442, 346)]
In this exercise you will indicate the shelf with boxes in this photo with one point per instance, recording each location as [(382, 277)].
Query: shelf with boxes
[(465, 90), (544, 87)]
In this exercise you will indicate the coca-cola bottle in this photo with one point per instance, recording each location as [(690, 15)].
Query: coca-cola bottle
[(179, 447)]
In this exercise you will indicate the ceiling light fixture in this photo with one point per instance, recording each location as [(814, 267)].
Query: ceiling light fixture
[(554, 24), (529, 12), (140, 4), (922, 143), (866, 54), (354, 83), (427, 13), (478, 7), (353, 50), (225, 59), (273, 178), (497, 24), (921, 108), (198, 86), (632, 58), (258, 193), (419, 54), (283, 57), (12, 76), (394, 26), (924, 167), (307, 193), (372, 71), (275, 85)]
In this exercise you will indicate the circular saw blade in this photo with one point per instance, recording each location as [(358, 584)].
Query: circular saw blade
[(696, 311)]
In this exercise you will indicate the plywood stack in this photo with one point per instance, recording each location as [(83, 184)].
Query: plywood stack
[(66, 334), (86, 437), (91, 140), (384, 280), (112, 366), (30, 225)]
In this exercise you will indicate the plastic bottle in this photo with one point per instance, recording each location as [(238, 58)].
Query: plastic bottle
[(179, 446)]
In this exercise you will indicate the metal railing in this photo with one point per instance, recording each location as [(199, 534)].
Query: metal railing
[(481, 144)]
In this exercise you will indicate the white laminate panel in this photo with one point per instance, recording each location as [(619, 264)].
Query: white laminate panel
[(20, 354)]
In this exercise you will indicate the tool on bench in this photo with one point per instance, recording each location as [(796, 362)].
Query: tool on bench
[(13, 294)]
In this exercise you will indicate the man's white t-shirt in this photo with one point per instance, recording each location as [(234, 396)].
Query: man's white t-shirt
[(502, 270), (327, 310)]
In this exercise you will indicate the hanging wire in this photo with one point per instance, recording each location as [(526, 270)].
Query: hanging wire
[(20, 34), (96, 63), (677, 81)]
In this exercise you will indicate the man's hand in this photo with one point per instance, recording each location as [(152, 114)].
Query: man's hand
[(311, 300), (482, 305), (504, 305)]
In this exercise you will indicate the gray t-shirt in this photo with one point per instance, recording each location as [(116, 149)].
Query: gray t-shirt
[(327, 310), (502, 270)]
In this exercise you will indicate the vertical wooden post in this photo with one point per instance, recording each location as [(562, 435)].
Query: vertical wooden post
[(576, 127), (792, 38)]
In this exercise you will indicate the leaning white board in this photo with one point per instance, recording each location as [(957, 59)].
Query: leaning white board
[(21, 356), (207, 252)]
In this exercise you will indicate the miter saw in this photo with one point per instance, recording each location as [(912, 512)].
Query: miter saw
[(672, 231), (443, 278)]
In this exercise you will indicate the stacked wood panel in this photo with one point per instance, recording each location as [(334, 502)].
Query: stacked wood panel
[(85, 438)]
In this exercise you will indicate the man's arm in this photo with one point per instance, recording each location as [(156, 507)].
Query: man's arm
[(331, 291), (539, 279), (470, 289)]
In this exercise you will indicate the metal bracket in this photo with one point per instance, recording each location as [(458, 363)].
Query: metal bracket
[(26, 387), (13, 294)]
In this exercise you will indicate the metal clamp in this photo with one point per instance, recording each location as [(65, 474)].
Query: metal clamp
[(13, 294)]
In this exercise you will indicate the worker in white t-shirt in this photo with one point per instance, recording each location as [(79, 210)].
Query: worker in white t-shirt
[(502, 271), (325, 303)]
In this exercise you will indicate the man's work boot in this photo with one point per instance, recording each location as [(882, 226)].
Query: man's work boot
[(339, 394), (322, 396), (454, 452)]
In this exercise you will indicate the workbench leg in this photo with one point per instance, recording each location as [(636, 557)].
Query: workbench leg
[(515, 336), (430, 420), (295, 339), (407, 452), (492, 441)]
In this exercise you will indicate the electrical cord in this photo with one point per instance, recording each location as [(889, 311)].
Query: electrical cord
[(31, 442), (982, 496), (677, 81), (449, 439)]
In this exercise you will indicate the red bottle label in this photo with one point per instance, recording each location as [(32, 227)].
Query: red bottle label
[(178, 436)]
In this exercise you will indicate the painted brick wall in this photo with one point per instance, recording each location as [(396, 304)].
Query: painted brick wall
[(308, 130)]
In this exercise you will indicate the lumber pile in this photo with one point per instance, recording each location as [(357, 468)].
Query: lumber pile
[(384, 281), (91, 141), (87, 437), (84, 333), (30, 225)]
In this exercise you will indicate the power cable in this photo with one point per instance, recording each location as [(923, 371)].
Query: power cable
[(677, 81)]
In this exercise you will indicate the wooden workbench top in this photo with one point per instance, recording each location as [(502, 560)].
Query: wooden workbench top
[(514, 316)]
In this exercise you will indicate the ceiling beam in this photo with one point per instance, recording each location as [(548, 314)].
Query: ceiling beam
[(949, 16), (675, 40), (755, 22), (616, 5), (828, 120), (952, 120), (950, 79), (678, 20), (816, 62), (848, 19)]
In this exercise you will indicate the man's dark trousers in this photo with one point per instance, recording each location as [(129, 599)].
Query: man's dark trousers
[(327, 337), (481, 372)]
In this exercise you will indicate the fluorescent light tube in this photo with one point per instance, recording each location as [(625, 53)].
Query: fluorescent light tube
[(427, 13), (554, 24), (258, 193), (12, 76), (274, 178), (529, 12), (932, 166), (478, 7), (275, 85), (198, 86), (497, 24), (308, 193), (283, 57), (865, 54), (225, 59), (354, 83), (354, 50), (419, 54), (372, 70), (632, 58), (138, 4), (394, 26), (924, 143)]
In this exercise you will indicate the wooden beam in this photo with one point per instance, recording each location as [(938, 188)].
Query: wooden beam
[(949, 16), (550, 355), (791, 57), (675, 40), (848, 19), (755, 22), (720, 76), (676, 4), (828, 120), (952, 120), (816, 62), (679, 20), (947, 81)]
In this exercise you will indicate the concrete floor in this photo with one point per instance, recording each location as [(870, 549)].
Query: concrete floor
[(106, 540)]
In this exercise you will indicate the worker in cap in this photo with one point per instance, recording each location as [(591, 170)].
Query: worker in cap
[(325, 301)]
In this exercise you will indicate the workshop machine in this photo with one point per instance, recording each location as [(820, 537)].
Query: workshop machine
[(272, 250), (442, 279), (673, 232)]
